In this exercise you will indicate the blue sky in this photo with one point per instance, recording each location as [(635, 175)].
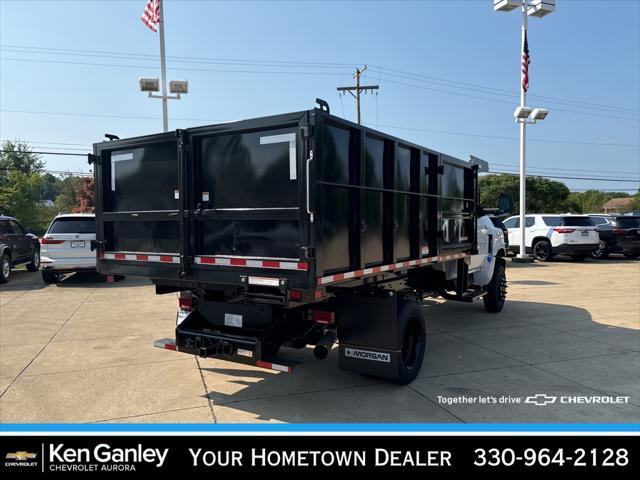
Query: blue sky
[(448, 73)]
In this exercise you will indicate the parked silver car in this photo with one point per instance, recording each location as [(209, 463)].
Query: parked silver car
[(66, 247)]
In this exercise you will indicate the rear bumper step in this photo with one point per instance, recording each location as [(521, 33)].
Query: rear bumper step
[(277, 364)]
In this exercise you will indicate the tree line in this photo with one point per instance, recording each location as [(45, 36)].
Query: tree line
[(548, 196), (34, 196)]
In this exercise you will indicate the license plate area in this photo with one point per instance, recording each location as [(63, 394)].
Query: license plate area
[(585, 233), (77, 243)]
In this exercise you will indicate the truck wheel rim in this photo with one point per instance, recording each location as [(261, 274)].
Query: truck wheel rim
[(412, 343), (6, 267)]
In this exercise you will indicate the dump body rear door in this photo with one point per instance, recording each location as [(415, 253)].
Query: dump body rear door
[(138, 206), (246, 198)]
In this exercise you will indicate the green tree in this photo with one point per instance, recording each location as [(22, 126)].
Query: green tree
[(21, 186), (68, 196), (543, 195), (591, 201), (17, 156), (635, 202)]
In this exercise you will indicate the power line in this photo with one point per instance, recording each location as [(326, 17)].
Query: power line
[(99, 115), (443, 132), (280, 72), (573, 178), (304, 64), (47, 153), (505, 93), (42, 142), (574, 170), (155, 56), (497, 137), (495, 100), (215, 70)]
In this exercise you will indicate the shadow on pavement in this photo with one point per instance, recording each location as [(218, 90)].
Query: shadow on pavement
[(95, 280), (530, 348)]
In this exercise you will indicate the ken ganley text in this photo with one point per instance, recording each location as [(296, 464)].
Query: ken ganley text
[(262, 457)]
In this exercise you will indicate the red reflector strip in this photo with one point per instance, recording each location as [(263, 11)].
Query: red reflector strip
[(324, 317), (166, 343), (140, 257), (387, 268), (273, 366), (252, 263)]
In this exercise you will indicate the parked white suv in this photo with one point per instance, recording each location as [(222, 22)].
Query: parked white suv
[(549, 235), (66, 247)]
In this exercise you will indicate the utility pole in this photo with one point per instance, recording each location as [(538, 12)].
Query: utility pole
[(358, 89)]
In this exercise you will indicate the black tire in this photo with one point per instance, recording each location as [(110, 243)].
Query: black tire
[(413, 341), (5, 268), (496, 290), (34, 264), (631, 255), (601, 252), (579, 258), (50, 276), (542, 251)]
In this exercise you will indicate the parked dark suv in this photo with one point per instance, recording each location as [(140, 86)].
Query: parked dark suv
[(17, 246), (618, 234)]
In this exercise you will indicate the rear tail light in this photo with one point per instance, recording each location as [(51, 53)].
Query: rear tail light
[(185, 303), (324, 317), (50, 241), (564, 230)]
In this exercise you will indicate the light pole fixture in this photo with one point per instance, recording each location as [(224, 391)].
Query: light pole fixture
[(152, 85), (525, 115), (153, 18)]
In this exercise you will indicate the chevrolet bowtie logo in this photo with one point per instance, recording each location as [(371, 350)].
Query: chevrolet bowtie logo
[(540, 399), (21, 456)]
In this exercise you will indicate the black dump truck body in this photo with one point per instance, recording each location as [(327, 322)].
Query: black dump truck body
[(263, 220)]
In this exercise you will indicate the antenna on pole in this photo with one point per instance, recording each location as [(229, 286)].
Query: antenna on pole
[(358, 89)]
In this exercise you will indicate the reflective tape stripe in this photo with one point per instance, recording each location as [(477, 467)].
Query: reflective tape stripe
[(140, 257), (252, 263), (273, 366), (166, 343), (387, 268)]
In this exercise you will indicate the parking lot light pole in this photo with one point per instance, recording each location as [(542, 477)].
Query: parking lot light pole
[(153, 85), (522, 253), (536, 8)]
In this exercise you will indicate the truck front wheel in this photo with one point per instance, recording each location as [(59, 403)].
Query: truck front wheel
[(413, 342), (497, 289)]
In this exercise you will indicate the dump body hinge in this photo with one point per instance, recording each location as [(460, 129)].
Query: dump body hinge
[(307, 131)]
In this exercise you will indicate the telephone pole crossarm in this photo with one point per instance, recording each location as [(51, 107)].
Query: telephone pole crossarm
[(358, 89)]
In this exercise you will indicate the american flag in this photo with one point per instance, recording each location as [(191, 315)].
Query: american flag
[(526, 60), (151, 15)]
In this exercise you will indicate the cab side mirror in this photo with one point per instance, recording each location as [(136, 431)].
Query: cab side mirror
[(505, 204)]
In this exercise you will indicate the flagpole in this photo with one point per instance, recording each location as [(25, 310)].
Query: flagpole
[(523, 141), (163, 68)]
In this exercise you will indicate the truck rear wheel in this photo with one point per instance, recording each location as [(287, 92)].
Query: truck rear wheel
[(497, 289), (413, 342)]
